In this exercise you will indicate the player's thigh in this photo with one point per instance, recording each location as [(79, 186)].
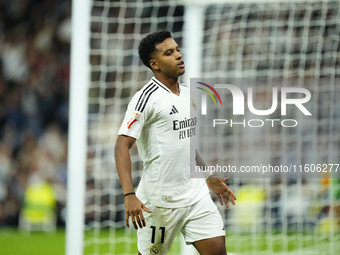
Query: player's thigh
[(203, 222), (211, 246), (162, 226)]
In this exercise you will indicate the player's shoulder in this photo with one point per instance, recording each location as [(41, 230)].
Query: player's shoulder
[(154, 87), (149, 94)]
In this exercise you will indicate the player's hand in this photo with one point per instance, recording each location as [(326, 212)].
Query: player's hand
[(133, 209), (221, 190)]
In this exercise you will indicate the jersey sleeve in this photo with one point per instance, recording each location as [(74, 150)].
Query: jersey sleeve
[(137, 115)]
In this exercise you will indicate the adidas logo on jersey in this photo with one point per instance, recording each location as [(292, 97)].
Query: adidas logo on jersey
[(173, 110)]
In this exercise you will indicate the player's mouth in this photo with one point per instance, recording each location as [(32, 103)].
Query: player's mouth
[(181, 64)]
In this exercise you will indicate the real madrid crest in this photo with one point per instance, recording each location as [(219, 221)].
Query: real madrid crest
[(193, 104), (154, 250)]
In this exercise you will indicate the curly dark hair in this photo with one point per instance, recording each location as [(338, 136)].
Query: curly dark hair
[(148, 45)]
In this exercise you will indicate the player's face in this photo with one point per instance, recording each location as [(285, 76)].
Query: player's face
[(168, 59)]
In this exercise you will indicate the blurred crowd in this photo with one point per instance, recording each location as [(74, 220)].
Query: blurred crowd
[(34, 90)]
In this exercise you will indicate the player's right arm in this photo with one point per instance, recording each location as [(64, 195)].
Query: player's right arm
[(133, 206)]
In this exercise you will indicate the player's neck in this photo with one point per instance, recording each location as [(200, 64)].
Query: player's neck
[(170, 83)]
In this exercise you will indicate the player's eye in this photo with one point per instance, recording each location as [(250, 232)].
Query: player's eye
[(168, 53)]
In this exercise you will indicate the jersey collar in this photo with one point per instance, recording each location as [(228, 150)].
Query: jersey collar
[(163, 86)]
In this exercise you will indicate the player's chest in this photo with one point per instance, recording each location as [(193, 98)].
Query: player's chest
[(173, 107), (177, 117)]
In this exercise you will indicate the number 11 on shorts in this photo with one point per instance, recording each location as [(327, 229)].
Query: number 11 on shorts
[(154, 234)]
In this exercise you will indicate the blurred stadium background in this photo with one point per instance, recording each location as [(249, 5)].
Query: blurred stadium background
[(243, 40), (34, 94)]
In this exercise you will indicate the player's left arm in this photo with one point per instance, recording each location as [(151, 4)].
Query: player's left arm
[(217, 185)]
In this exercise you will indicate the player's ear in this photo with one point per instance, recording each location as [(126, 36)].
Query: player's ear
[(153, 64)]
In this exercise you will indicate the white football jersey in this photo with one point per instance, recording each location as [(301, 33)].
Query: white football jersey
[(161, 123)]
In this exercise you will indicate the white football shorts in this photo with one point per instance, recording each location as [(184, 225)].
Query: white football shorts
[(199, 221)]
